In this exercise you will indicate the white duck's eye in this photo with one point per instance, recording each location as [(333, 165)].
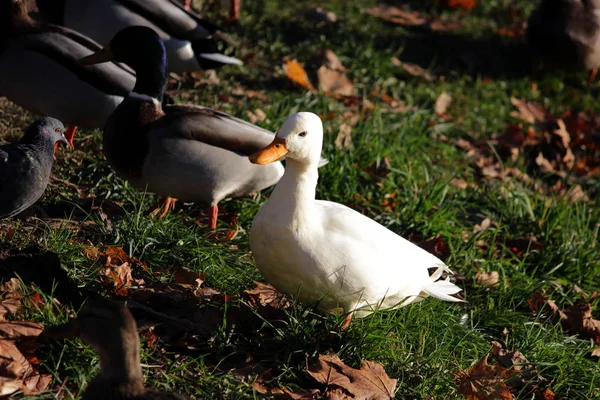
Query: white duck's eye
[(302, 134)]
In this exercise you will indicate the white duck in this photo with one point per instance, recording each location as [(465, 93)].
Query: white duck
[(326, 253)]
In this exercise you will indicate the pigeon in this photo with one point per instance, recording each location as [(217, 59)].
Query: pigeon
[(25, 166)]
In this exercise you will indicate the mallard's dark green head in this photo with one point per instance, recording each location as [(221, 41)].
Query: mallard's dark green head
[(137, 46), (143, 50)]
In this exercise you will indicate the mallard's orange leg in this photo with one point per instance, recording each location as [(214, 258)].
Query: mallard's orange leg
[(592, 76), (187, 4), (534, 75), (212, 219), (347, 321), (234, 11), (164, 210)]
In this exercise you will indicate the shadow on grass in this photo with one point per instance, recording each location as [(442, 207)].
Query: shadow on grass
[(35, 265)]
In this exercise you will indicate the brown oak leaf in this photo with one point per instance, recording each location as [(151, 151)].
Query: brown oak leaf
[(120, 278), (341, 381), (266, 295), (484, 381)]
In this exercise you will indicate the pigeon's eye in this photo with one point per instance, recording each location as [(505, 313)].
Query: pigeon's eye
[(57, 130), (302, 133)]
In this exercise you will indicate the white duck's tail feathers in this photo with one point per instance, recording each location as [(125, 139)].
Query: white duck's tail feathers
[(442, 288)]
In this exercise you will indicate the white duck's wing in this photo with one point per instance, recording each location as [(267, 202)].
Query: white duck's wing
[(386, 263)]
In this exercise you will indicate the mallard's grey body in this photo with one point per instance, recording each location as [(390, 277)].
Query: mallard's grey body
[(189, 40), (38, 63)]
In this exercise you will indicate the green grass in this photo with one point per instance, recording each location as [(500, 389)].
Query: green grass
[(422, 345)]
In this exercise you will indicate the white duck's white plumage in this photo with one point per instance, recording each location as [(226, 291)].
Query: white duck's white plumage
[(326, 253)]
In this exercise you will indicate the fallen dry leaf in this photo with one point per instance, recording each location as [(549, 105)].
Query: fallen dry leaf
[(115, 256), (577, 319), (488, 279), (16, 371), (528, 111), (341, 381), (344, 137), (332, 75), (297, 74), (434, 245), (525, 373), (461, 4), (17, 329), (459, 183), (266, 295), (413, 19), (257, 115), (442, 103), (521, 246), (331, 61), (11, 297), (92, 253), (193, 281), (321, 16), (334, 82), (398, 16), (249, 93), (412, 69), (484, 381), (120, 278)]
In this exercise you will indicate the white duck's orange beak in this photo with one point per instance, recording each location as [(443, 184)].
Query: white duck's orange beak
[(271, 153)]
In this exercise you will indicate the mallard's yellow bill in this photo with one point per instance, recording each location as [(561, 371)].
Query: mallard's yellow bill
[(98, 57), (271, 153)]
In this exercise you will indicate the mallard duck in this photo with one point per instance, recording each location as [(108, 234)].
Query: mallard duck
[(25, 166), (326, 253), (565, 34), (111, 330), (189, 40), (184, 151), (39, 69)]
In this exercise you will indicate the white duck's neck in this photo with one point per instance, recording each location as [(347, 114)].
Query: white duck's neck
[(296, 189)]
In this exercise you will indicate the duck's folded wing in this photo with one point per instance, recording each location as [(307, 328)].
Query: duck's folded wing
[(172, 18), (215, 128), (66, 47)]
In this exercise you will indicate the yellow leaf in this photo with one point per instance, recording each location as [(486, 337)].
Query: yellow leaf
[(296, 73)]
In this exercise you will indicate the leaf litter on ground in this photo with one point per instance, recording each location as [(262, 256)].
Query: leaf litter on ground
[(577, 319), (511, 374), (17, 347), (344, 382), (413, 19), (559, 153)]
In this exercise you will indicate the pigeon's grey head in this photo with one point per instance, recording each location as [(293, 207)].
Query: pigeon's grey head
[(49, 129)]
